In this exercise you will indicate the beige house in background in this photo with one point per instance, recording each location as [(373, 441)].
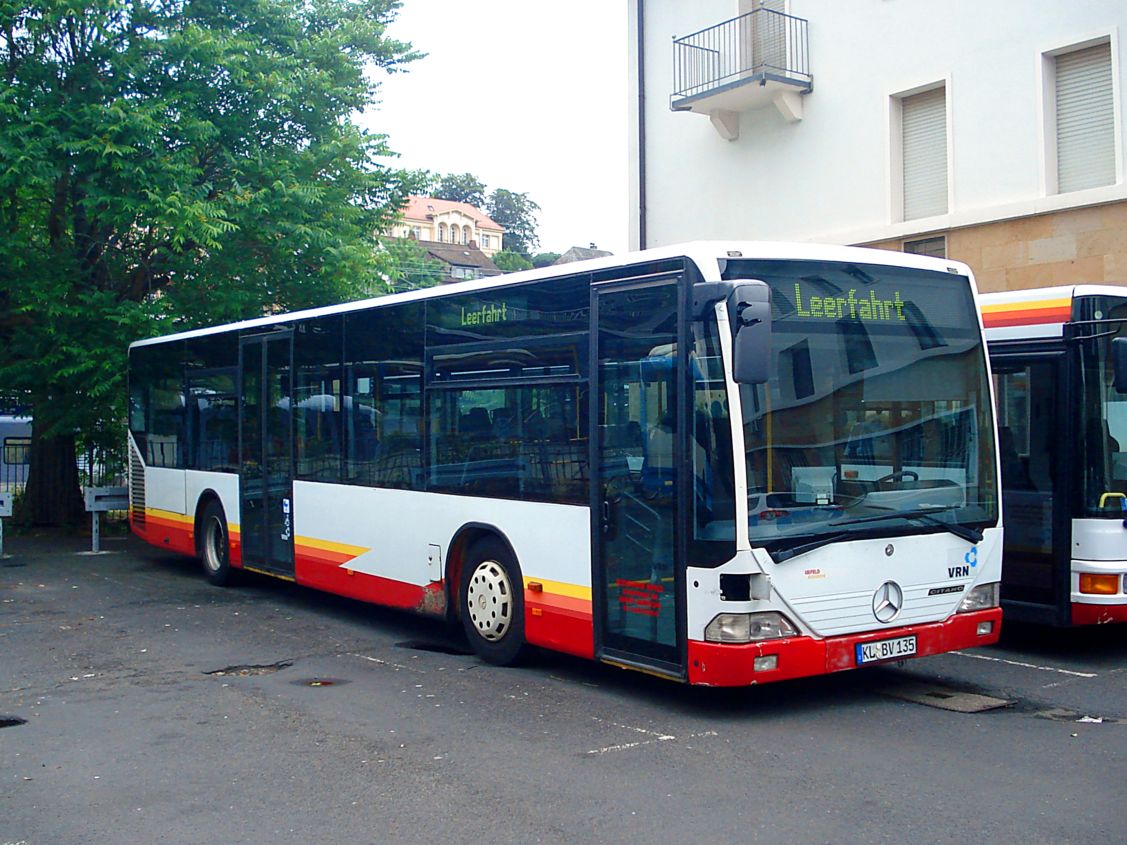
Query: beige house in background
[(447, 222)]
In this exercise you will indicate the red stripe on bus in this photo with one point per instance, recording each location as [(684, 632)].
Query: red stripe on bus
[(559, 622), (562, 623), (167, 534)]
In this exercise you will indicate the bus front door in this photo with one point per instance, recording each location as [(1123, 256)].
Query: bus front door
[(636, 593), (1036, 485), (266, 457)]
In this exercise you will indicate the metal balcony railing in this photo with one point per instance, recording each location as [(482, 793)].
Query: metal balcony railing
[(760, 45)]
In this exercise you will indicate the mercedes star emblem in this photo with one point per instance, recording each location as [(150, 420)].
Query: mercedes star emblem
[(888, 600)]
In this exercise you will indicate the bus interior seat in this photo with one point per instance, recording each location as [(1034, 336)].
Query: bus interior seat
[(475, 423)]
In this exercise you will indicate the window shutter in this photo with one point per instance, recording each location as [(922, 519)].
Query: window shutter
[(1085, 119), (924, 121)]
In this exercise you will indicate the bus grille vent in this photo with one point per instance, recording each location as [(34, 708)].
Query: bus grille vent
[(136, 486)]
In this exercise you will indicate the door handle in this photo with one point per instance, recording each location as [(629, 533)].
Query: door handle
[(608, 519)]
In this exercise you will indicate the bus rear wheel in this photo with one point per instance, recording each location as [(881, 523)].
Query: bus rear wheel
[(215, 549), (492, 603)]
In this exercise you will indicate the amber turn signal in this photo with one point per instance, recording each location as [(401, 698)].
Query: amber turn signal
[(1099, 585)]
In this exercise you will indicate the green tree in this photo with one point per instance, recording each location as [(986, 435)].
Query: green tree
[(412, 268), (544, 259), (463, 187), (509, 262), (165, 165), (424, 183), (516, 213)]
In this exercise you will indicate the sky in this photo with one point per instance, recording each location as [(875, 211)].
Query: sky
[(526, 95)]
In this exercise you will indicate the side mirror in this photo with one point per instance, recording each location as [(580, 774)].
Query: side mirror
[(749, 310), (1119, 364)]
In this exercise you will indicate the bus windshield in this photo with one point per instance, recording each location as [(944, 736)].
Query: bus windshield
[(877, 419)]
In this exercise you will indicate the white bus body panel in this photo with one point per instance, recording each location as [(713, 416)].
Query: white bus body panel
[(223, 484), (1099, 539), (165, 490), (1099, 547), (397, 527)]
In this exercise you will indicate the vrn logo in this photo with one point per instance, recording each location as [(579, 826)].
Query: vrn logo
[(971, 559)]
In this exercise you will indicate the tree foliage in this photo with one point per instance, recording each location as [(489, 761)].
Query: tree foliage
[(516, 213), (461, 187), (544, 259), (509, 262), (168, 164)]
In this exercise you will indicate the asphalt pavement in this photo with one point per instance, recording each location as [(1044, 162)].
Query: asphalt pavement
[(139, 704)]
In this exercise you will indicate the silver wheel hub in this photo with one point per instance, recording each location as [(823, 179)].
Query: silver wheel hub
[(212, 544), (489, 600)]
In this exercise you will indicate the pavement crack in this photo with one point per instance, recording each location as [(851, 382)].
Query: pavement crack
[(246, 670)]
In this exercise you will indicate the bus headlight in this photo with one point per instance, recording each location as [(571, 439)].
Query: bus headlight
[(748, 627), (982, 597)]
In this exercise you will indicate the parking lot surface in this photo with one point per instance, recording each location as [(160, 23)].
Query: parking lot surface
[(140, 704)]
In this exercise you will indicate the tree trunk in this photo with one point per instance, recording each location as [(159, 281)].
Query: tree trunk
[(52, 496)]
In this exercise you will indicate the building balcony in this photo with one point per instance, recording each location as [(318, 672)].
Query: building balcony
[(754, 61)]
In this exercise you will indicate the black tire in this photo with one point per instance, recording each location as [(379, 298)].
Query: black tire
[(491, 602), (214, 545)]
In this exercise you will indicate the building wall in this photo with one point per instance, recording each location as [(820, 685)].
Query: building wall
[(831, 176), (1079, 246)]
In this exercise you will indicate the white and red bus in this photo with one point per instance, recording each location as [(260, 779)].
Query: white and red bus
[(1062, 418), (724, 464)]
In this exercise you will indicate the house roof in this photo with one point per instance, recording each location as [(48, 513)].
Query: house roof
[(459, 255), (581, 253), (424, 208)]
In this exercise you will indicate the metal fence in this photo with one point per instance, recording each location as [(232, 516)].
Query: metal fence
[(96, 468), (761, 44)]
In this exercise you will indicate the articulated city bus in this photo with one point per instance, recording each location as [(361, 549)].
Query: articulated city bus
[(1059, 357), (724, 464)]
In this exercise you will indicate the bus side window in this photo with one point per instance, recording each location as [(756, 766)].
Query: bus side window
[(383, 416)]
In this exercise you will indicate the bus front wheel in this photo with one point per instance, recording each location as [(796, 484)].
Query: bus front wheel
[(215, 550), (492, 602)]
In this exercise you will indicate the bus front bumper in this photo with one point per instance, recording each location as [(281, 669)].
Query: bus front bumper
[(726, 665)]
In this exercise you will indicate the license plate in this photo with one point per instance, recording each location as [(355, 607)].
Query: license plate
[(886, 650)]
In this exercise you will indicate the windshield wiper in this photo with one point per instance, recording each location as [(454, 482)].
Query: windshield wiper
[(971, 535), (794, 551)]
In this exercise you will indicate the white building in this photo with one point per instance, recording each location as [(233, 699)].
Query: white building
[(990, 132)]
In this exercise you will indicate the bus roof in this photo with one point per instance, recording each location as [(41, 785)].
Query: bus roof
[(707, 256), (1035, 313)]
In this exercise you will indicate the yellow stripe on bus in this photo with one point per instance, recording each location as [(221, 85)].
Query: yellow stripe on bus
[(183, 518), (559, 588), (172, 516), (327, 546)]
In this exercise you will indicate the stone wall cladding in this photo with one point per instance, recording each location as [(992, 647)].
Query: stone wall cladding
[(1077, 246)]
